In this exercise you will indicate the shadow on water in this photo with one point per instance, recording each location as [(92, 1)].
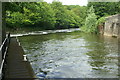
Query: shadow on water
[(72, 55)]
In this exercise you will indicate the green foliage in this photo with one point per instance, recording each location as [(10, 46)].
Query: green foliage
[(105, 8), (57, 16), (90, 22), (72, 19), (35, 14), (81, 12), (44, 15), (101, 10), (15, 19), (64, 18), (100, 21)]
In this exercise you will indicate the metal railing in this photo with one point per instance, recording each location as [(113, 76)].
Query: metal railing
[(3, 51)]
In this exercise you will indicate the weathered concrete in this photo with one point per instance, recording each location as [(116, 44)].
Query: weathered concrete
[(112, 26), (16, 66)]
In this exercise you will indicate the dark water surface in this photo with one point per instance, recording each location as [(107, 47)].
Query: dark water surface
[(72, 55)]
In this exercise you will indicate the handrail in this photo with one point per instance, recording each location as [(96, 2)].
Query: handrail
[(3, 44), (3, 50)]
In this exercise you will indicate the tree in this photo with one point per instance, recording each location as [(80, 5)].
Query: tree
[(90, 22), (80, 11), (60, 15), (31, 14), (65, 18), (44, 15), (105, 8)]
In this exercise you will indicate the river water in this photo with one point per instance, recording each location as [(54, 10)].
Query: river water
[(72, 55)]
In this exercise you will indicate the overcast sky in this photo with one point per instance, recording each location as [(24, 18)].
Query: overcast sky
[(71, 2)]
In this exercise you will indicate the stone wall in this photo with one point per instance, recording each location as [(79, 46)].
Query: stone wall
[(112, 26)]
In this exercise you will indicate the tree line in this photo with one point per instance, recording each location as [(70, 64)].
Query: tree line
[(57, 16), (44, 15), (97, 13)]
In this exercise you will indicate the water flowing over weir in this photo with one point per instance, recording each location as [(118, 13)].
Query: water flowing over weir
[(45, 32), (70, 54)]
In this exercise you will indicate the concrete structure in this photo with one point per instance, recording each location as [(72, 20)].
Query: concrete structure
[(112, 26)]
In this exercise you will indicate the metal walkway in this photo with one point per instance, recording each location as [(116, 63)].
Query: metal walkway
[(16, 67)]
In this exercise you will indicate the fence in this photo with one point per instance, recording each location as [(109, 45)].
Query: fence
[(3, 50)]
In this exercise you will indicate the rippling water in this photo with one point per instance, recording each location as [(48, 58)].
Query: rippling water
[(72, 55)]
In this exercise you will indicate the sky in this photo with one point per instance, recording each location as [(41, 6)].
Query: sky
[(71, 2)]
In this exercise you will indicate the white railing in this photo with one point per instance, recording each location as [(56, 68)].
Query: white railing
[(3, 52)]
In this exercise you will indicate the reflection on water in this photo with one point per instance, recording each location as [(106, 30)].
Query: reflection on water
[(72, 55)]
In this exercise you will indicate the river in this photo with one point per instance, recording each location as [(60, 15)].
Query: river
[(68, 54)]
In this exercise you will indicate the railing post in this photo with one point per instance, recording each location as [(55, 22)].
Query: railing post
[(8, 38)]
